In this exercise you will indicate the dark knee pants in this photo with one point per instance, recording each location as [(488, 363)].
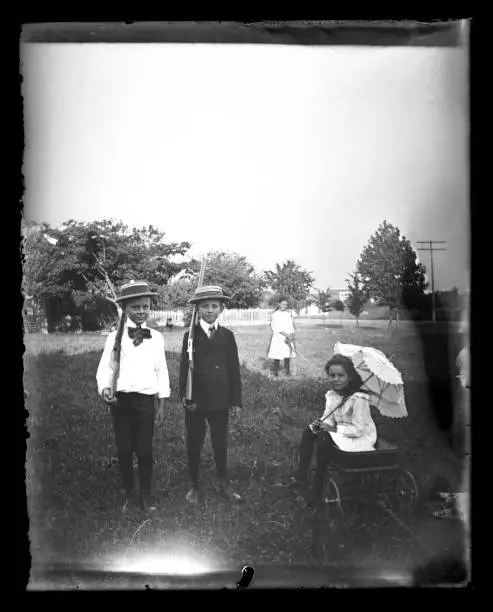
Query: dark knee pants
[(324, 446), (133, 424), (195, 424)]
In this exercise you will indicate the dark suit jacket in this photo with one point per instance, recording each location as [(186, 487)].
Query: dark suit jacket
[(216, 382)]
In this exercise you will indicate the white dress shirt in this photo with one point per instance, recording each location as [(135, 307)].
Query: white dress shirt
[(207, 328), (143, 368)]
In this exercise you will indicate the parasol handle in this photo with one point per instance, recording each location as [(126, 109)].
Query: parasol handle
[(382, 388), (331, 412), (338, 406), (366, 380), (341, 403)]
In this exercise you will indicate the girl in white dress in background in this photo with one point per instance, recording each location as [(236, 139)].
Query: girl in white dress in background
[(282, 341)]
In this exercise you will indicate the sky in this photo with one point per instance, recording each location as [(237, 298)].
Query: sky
[(274, 152)]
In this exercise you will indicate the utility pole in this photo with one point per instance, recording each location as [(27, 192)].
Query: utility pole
[(431, 249)]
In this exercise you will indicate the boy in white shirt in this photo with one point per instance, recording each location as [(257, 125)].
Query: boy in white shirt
[(133, 380)]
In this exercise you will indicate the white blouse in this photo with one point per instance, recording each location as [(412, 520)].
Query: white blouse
[(356, 430), (143, 368)]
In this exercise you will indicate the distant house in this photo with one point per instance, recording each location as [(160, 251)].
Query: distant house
[(311, 309), (34, 315), (339, 294)]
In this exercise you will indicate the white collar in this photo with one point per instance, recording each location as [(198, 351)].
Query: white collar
[(130, 323), (206, 327)]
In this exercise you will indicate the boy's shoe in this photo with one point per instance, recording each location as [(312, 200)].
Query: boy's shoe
[(193, 496), (147, 504), (228, 492), (296, 482), (312, 500), (127, 502), (298, 478)]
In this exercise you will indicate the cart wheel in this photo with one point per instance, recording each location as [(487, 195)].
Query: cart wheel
[(406, 488), (334, 510), (332, 497)]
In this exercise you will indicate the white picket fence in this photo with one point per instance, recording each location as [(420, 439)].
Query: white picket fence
[(161, 316), (235, 317), (250, 316)]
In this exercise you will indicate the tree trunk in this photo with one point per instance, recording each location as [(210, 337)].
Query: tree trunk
[(357, 322), (51, 308), (391, 314)]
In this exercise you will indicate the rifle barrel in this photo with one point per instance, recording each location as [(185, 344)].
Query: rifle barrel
[(191, 337)]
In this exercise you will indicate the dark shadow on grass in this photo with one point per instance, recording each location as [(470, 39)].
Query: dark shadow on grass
[(445, 570), (440, 345)]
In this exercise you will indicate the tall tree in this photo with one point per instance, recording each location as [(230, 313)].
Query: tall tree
[(389, 271), (176, 294), (291, 280), (236, 276), (324, 300), (358, 297), (338, 305), (78, 265)]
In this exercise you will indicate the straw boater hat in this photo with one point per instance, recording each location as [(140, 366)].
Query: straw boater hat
[(134, 289), (208, 292)]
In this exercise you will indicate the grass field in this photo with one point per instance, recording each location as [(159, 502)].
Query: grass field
[(73, 480)]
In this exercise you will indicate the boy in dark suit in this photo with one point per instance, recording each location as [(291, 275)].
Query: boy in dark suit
[(216, 387)]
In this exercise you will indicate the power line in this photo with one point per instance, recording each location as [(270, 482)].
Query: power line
[(431, 249)]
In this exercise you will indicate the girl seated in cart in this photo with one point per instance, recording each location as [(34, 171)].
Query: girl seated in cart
[(346, 423)]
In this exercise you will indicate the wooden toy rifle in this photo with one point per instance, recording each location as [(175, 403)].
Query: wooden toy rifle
[(117, 347), (191, 338)]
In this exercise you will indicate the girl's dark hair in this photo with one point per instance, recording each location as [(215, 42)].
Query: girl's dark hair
[(281, 298), (355, 380)]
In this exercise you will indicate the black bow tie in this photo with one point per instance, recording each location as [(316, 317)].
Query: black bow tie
[(138, 335)]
